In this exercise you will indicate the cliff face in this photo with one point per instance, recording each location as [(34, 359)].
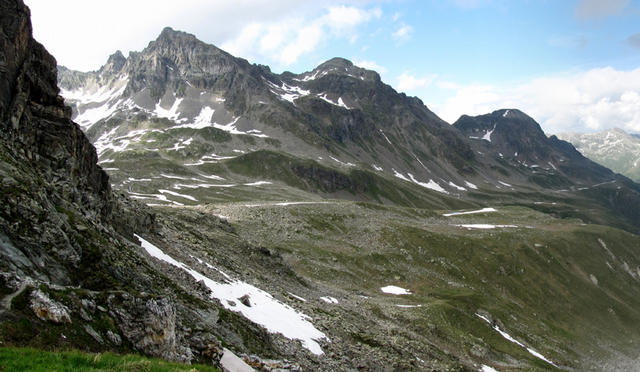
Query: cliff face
[(35, 121), (52, 188)]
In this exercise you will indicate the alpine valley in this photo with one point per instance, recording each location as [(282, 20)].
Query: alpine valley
[(185, 204)]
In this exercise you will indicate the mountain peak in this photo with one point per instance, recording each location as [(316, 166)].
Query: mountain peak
[(340, 66), (115, 63), (169, 35), (336, 62)]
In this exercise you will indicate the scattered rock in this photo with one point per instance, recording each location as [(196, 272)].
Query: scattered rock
[(114, 338), (245, 300), (92, 332), (231, 363), (47, 309)]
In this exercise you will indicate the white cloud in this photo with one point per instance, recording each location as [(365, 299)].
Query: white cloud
[(284, 41), (370, 65), (596, 99), (306, 41), (593, 9), (82, 34), (407, 82), (403, 33)]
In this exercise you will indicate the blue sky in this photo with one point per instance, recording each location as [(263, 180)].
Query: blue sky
[(574, 65)]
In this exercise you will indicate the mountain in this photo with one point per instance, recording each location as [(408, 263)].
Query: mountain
[(612, 148), (282, 258), (197, 104), (182, 118)]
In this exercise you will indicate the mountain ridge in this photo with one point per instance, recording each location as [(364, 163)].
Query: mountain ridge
[(337, 114)]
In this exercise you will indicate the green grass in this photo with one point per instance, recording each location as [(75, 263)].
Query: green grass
[(27, 359)]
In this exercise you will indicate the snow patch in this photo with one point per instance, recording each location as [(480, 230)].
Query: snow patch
[(257, 183), (287, 92), (486, 368), (180, 186), (433, 185), (177, 194), (487, 136), (399, 175), (392, 289), (483, 226), (171, 113), (342, 163), (483, 210), (156, 197), (456, 186), (508, 337), (340, 102), (297, 297), (273, 315), (329, 299), (385, 136), (203, 120), (470, 185)]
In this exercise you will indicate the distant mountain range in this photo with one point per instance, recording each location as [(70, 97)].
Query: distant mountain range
[(182, 117), (613, 148)]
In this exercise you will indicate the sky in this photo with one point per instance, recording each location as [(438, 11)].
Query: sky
[(573, 65)]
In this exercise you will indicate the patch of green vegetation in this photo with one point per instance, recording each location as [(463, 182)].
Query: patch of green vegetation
[(309, 175), (27, 359)]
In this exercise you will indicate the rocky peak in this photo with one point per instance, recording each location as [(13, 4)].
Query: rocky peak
[(339, 67), (336, 62), (187, 53), (176, 60), (513, 134), (114, 64)]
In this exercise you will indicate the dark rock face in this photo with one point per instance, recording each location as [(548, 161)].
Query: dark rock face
[(49, 173), (517, 136), (338, 108), (35, 120), (177, 57)]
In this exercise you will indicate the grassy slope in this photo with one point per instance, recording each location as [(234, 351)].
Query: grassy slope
[(537, 280), (26, 359)]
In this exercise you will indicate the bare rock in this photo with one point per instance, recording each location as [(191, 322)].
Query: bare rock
[(92, 332), (150, 325), (114, 338), (47, 309), (231, 363)]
